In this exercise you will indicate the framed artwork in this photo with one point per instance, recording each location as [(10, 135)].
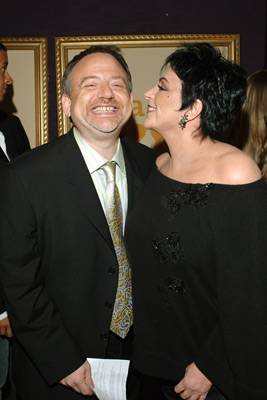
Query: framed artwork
[(27, 97), (145, 55)]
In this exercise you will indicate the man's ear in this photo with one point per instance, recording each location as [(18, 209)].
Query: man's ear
[(66, 103)]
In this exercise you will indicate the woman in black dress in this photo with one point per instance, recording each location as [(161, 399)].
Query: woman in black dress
[(197, 241)]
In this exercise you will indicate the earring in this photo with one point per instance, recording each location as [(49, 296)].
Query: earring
[(183, 121)]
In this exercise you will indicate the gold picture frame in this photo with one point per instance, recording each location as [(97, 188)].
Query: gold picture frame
[(145, 55), (28, 67)]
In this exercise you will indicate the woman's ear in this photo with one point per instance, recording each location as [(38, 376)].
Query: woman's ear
[(196, 109)]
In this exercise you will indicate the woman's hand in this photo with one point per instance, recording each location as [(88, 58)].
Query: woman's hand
[(194, 385)]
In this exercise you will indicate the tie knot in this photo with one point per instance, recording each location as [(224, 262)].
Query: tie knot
[(110, 170)]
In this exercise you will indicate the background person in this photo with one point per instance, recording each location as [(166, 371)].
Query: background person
[(197, 241), (13, 142), (59, 268), (249, 130)]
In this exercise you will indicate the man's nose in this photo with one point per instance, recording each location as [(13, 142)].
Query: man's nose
[(105, 91), (8, 78)]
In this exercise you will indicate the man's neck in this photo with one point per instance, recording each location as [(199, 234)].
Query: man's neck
[(106, 146)]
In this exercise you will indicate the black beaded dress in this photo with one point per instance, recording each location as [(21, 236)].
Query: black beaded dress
[(199, 267)]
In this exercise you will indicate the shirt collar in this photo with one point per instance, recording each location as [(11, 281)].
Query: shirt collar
[(94, 160)]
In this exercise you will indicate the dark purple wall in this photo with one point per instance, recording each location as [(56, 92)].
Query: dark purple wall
[(53, 18)]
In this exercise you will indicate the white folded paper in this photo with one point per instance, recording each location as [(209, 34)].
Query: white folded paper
[(109, 377)]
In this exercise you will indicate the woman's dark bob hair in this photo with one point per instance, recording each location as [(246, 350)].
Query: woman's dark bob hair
[(220, 84)]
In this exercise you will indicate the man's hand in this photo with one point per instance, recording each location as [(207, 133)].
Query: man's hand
[(5, 328), (194, 385), (80, 380)]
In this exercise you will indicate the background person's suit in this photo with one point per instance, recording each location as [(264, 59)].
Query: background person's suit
[(16, 143), (63, 262)]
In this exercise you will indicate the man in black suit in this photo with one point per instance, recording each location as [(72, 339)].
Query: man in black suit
[(59, 269), (13, 141)]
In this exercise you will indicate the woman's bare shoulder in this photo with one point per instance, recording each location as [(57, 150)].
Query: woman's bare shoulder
[(235, 167)]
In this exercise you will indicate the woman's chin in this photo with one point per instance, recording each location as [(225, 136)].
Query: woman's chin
[(147, 124)]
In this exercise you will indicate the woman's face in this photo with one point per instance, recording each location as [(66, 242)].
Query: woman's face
[(164, 102)]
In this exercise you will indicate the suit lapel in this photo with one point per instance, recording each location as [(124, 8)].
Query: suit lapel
[(134, 183), (82, 190), (81, 187), (3, 156), (5, 129)]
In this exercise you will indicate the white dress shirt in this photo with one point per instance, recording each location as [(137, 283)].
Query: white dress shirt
[(3, 144), (95, 161)]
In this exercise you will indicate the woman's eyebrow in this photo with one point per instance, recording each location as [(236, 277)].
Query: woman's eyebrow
[(162, 78)]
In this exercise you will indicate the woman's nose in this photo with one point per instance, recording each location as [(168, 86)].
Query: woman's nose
[(150, 93)]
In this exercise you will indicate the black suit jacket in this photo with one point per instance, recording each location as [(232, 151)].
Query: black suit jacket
[(16, 143), (58, 265)]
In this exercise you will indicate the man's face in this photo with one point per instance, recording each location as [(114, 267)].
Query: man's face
[(99, 104), (5, 78)]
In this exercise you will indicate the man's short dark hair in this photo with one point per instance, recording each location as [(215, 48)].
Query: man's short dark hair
[(3, 47), (106, 49)]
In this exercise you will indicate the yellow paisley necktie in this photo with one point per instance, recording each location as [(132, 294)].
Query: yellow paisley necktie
[(122, 317)]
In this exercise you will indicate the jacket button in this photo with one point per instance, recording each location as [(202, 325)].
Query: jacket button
[(112, 270), (104, 336), (108, 305)]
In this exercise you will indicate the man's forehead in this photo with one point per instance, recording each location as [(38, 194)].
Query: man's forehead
[(98, 56), (100, 62)]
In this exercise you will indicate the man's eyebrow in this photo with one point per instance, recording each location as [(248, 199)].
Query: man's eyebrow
[(118, 77), (99, 78), (89, 77)]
